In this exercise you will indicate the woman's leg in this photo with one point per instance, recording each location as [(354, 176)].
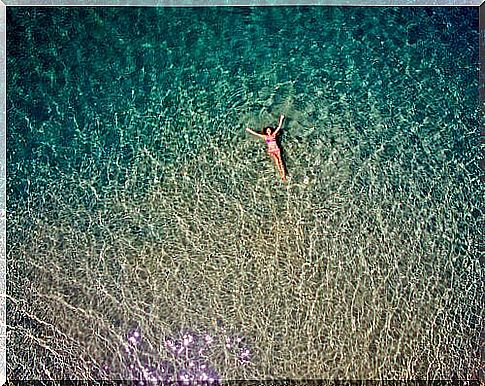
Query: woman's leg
[(281, 168), (279, 165), (275, 159)]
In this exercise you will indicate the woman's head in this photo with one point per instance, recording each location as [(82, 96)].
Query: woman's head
[(268, 130)]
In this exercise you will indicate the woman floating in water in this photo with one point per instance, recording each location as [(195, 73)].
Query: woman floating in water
[(273, 150)]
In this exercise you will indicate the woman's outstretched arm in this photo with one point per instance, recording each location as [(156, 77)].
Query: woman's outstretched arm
[(280, 124), (254, 133)]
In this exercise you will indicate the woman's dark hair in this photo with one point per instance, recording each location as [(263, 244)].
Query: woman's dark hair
[(268, 127)]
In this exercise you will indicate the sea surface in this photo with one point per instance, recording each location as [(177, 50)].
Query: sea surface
[(125, 137), (78, 76)]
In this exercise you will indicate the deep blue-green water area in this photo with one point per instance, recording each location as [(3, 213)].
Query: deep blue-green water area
[(96, 83)]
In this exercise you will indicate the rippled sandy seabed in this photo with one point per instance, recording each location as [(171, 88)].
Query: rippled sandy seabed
[(150, 237)]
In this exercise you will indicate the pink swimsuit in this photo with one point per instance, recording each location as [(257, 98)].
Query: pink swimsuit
[(272, 146)]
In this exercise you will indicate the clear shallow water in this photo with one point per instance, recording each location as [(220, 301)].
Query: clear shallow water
[(120, 119)]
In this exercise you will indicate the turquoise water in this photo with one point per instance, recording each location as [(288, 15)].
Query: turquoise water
[(82, 77), (126, 145)]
